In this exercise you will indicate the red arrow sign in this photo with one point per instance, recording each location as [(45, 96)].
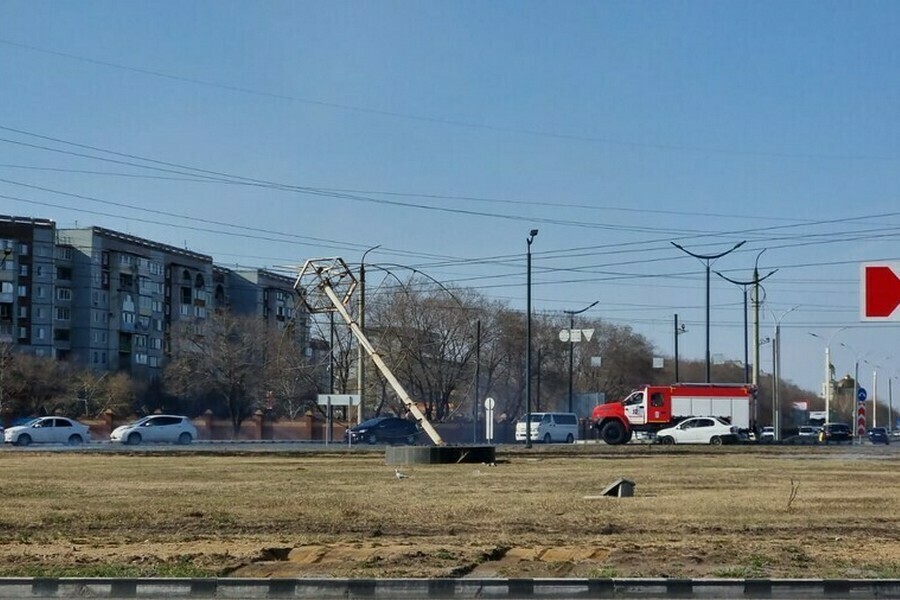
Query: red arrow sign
[(880, 291)]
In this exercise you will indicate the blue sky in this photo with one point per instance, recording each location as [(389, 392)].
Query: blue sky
[(445, 131)]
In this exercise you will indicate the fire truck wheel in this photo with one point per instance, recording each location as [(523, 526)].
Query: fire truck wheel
[(613, 433)]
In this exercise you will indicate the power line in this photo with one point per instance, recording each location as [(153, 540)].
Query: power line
[(606, 141)]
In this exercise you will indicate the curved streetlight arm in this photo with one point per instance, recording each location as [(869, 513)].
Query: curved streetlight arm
[(572, 313), (709, 256), (744, 283)]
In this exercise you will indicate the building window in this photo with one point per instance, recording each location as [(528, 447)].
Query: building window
[(23, 249), (23, 291), (23, 270), (140, 358), (23, 312), (41, 292), (156, 343), (61, 335), (63, 313), (40, 333), (156, 306), (63, 293), (154, 361), (23, 333), (128, 317), (64, 273)]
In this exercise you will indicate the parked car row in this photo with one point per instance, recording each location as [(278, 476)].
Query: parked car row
[(62, 430)]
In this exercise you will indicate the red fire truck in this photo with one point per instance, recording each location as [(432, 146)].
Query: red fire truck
[(656, 407)]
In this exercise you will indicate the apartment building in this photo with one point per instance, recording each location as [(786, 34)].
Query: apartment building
[(112, 301), (26, 283), (117, 296), (270, 296)]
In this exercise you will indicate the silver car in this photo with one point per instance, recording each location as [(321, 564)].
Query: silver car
[(172, 429), (48, 430)]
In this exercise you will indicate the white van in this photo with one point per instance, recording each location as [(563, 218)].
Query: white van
[(549, 427)]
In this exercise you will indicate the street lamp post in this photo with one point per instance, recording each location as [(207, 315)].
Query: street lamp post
[(572, 314), (743, 285), (531, 235), (708, 259), (776, 368), (875, 390), (360, 358), (828, 378)]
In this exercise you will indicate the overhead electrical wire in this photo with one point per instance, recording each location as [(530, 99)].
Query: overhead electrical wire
[(607, 141)]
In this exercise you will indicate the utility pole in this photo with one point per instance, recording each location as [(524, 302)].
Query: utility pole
[(677, 333)]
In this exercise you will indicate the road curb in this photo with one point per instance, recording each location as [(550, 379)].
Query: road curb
[(428, 589)]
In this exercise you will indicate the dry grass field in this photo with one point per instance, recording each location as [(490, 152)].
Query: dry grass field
[(734, 512)]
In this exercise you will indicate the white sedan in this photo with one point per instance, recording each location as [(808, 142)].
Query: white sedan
[(172, 429), (699, 430), (48, 430)]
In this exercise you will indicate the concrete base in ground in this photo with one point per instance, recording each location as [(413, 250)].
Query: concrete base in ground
[(439, 455)]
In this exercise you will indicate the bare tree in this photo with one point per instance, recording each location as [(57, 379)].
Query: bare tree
[(428, 334), (223, 358), (37, 385), (102, 392), (291, 379)]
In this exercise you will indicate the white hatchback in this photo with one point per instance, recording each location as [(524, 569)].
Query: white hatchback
[(48, 430), (170, 429), (699, 430)]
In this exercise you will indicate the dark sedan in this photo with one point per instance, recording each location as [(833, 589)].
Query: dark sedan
[(388, 430), (879, 435), (837, 433)]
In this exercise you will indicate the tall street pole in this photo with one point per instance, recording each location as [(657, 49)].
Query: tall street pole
[(708, 259), (743, 285), (476, 401), (360, 356), (776, 359), (677, 333), (572, 314), (829, 387), (890, 426), (755, 374), (874, 398), (531, 235)]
